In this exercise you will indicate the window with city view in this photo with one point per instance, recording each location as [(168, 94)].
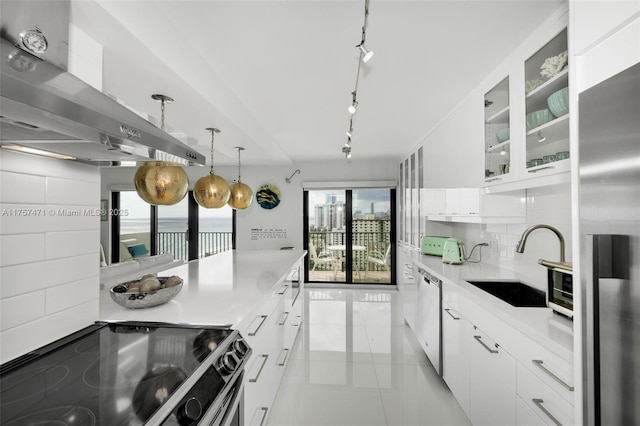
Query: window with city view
[(350, 235)]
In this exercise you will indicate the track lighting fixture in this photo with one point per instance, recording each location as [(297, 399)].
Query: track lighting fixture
[(347, 151), (541, 137), (354, 103), (364, 56)]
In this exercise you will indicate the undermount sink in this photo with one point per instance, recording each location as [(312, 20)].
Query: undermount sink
[(514, 293)]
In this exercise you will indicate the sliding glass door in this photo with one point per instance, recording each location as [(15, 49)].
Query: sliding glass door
[(349, 235)]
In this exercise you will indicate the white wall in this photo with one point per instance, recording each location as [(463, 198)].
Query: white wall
[(49, 253), (287, 215)]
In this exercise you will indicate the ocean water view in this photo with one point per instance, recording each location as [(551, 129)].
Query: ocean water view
[(173, 224)]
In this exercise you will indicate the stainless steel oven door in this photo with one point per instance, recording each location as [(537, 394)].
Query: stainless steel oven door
[(228, 408)]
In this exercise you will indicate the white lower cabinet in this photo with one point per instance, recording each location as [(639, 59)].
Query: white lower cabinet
[(271, 335), (455, 354), (547, 404), (528, 385), (492, 382), (525, 415)]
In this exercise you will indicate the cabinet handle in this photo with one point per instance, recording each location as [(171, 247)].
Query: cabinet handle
[(264, 361), (541, 168), (254, 332), (479, 339), (297, 324), (447, 310), (286, 315), (538, 362), (264, 416), (492, 179), (284, 359), (538, 402), (282, 290)]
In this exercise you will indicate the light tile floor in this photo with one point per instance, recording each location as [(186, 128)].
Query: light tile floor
[(357, 363)]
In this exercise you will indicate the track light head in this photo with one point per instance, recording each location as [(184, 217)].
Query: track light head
[(352, 107), (366, 54)]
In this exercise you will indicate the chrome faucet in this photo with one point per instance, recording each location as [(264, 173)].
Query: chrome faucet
[(529, 230)]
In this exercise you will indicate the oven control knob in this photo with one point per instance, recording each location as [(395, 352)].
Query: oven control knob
[(240, 348), (228, 363), (189, 412)]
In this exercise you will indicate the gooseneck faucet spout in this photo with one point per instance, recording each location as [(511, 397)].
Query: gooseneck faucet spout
[(525, 235)]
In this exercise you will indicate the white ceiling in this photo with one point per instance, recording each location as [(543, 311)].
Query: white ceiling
[(276, 76)]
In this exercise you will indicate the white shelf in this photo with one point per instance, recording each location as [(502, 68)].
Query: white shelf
[(501, 117), (554, 130), (506, 145), (556, 166), (555, 83)]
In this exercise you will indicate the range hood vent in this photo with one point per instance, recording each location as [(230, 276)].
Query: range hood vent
[(42, 106)]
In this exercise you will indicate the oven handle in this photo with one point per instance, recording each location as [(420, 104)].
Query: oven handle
[(230, 409)]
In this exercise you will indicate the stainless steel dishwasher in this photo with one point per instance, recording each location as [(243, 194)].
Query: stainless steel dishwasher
[(430, 317)]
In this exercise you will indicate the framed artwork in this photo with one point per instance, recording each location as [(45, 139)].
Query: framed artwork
[(268, 196)]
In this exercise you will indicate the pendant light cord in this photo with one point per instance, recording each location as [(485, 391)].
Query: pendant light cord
[(239, 149), (162, 114), (212, 133)]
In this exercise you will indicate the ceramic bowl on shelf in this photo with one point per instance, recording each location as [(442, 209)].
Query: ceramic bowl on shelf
[(536, 162), (558, 102), (133, 295), (538, 118), (562, 155), (548, 159), (503, 135)]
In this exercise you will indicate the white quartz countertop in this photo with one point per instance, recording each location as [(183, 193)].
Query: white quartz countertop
[(217, 290), (551, 330)]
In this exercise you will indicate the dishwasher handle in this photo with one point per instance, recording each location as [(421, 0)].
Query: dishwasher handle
[(429, 278)]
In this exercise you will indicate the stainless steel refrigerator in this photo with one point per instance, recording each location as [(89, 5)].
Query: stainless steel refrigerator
[(609, 157)]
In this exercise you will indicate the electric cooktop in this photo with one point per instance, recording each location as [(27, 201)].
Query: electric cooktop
[(105, 374)]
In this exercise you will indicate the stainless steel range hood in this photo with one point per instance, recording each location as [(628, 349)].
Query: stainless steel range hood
[(43, 106)]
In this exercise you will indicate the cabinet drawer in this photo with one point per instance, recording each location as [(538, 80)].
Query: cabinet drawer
[(541, 399), (555, 372), (525, 415)]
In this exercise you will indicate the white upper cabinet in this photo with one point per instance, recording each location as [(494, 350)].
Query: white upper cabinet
[(526, 115), (473, 205)]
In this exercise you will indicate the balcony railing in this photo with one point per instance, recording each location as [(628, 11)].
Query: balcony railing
[(209, 243), (371, 241)]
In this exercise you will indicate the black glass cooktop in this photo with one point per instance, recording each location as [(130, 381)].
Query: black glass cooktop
[(105, 374)]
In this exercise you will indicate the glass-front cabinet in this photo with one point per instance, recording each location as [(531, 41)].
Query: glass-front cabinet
[(497, 140), (526, 117), (547, 107)]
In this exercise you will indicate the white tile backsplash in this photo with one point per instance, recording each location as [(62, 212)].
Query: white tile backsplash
[(73, 192), (22, 248), (30, 218), (21, 188), (68, 295), (73, 243), (21, 309), (32, 335), (49, 257), (26, 278)]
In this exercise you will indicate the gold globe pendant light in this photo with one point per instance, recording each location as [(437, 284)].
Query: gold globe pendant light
[(161, 183), (241, 194), (212, 191)]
